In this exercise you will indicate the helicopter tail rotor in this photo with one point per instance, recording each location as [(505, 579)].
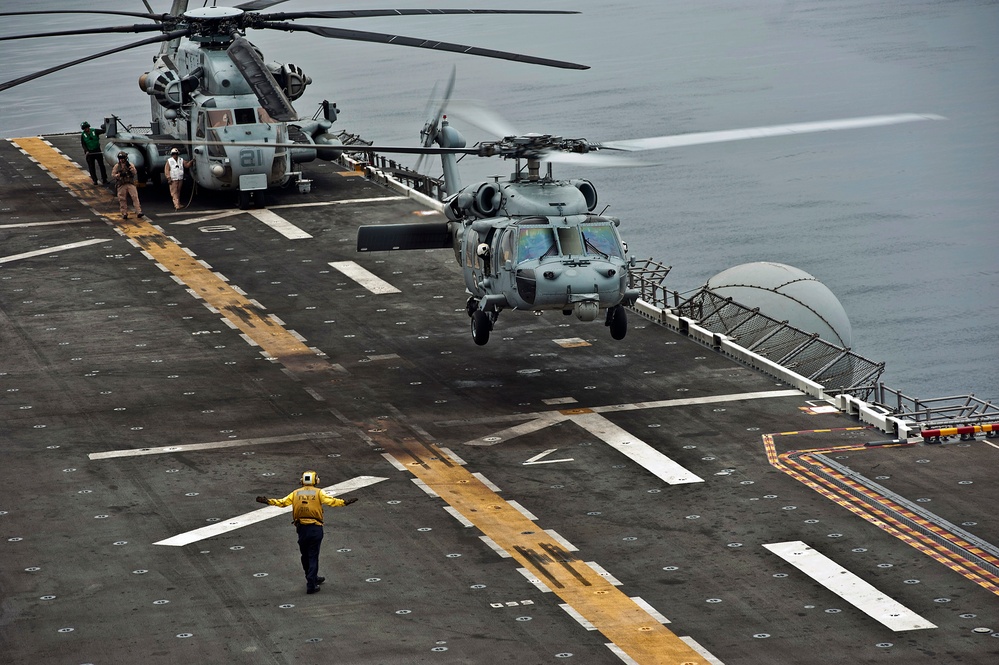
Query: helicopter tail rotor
[(430, 133)]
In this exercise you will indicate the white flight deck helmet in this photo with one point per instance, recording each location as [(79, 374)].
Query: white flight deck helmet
[(310, 478)]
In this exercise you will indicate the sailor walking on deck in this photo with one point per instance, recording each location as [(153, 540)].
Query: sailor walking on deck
[(125, 175), (174, 170), (90, 139), (307, 514)]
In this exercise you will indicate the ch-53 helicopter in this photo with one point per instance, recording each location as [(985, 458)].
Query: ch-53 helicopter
[(533, 242), (210, 87)]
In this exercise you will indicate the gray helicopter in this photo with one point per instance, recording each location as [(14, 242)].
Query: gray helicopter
[(211, 88), (533, 242)]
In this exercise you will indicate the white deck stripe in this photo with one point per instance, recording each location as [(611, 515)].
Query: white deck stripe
[(620, 653), (536, 581), (711, 399), (707, 655), (25, 225), (571, 611), (523, 511), (233, 443), (599, 570), (458, 516), (364, 277), (653, 612), (52, 250), (635, 449), (849, 587), (260, 515), (557, 537), (279, 224)]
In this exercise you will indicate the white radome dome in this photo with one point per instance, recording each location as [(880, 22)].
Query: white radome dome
[(786, 293)]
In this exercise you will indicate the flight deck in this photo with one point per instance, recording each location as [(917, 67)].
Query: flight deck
[(555, 496)]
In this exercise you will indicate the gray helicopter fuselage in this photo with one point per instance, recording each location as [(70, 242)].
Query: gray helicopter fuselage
[(571, 263)]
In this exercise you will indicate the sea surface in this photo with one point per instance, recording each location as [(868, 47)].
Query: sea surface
[(899, 222)]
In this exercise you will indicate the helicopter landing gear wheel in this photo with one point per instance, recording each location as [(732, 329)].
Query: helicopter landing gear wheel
[(481, 325), (471, 306), (244, 199), (617, 321)]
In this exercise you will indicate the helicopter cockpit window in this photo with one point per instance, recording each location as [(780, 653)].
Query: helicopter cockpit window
[(220, 118), (601, 240), (244, 116), (568, 238), (200, 132), (536, 243)]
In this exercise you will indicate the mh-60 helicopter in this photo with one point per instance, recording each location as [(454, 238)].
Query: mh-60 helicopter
[(210, 88), (533, 242)]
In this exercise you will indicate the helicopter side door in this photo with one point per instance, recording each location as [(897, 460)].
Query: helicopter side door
[(472, 264)]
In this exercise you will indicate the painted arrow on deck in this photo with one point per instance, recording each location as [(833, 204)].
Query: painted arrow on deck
[(537, 458)]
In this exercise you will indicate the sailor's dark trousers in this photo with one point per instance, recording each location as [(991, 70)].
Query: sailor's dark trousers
[(310, 537)]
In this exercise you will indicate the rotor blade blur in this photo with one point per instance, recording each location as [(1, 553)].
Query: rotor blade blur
[(698, 138), (593, 159), (158, 17), (89, 31), (482, 117), (400, 40), (369, 13), (31, 77)]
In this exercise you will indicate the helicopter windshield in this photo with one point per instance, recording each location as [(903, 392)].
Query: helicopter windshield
[(601, 240), (535, 242)]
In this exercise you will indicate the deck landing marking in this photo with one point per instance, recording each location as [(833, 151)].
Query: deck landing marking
[(52, 250), (849, 587), (635, 449), (231, 443), (279, 224), (537, 458), (260, 514), (363, 277)]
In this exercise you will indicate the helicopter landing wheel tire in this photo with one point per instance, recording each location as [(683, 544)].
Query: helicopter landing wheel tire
[(244, 199), (618, 322), (471, 306), (481, 325)]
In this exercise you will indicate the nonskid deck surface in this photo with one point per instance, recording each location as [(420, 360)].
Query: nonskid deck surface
[(554, 496)]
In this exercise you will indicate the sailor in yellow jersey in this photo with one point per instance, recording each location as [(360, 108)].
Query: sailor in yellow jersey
[(307, 513)]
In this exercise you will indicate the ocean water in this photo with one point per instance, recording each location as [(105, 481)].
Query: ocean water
[(899, 222)]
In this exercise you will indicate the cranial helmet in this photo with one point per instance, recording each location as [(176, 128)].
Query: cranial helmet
[(123, 155), (175, 152), (84, 125), (310, 478)]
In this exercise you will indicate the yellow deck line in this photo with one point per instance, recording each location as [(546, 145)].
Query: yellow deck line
[(603, 605), (270, 336)]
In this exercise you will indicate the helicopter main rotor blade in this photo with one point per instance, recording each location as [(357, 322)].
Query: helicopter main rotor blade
[(399, 40), (89, 31), (157, 17), (698, 138), (368, 13), (257, 5), (406, 150), (31, 77)]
